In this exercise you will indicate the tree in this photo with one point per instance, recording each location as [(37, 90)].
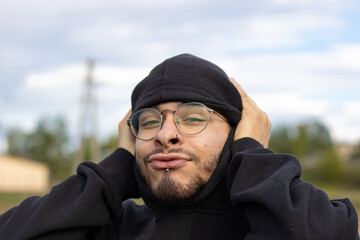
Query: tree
[(330, 169), (109, 145), (47, 143), (310, 141), (355, 156), (17, 142), (302, 140), (281, 140)]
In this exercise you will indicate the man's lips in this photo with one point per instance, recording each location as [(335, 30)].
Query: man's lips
[(163, 161)]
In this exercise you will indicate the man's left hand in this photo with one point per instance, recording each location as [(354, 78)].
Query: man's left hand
[(254, 122)]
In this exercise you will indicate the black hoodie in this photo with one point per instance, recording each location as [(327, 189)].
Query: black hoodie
[(253, 194)]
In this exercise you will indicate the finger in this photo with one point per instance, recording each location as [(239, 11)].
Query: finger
[(125, 118), (244, 96), (238, 87), (268, 135), (128, 114), (126, 139)]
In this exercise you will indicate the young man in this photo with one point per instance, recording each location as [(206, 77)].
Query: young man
[(202, 172)]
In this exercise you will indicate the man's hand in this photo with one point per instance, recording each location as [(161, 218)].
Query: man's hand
[(254, 122), (126, 139)]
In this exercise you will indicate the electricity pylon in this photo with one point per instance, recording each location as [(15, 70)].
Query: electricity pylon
[(88, 125)]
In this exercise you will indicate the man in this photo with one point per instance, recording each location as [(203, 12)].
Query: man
[(202, 173)]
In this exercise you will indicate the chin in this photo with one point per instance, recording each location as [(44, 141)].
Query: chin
[(170, 191)]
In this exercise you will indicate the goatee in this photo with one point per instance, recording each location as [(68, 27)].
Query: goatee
[(172, 193), (169, 190)]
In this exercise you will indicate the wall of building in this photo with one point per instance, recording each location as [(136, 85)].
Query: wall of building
[(21, 175)]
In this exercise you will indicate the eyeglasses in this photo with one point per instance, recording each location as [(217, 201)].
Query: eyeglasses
[(190, 118)]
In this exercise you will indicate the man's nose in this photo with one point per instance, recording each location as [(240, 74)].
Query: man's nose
[(169, 134)]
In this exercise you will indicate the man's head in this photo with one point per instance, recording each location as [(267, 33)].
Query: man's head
[(174, 157)]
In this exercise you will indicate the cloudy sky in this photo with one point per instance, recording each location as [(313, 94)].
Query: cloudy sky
[(298, 59)]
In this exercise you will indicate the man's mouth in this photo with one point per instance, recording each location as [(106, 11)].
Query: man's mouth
[(167, 161)]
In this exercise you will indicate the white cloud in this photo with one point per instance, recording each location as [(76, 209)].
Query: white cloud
[(308, 73), (120, 75), (281, 30), (348, 56), (344, 121), (281, 84), (58, 91), (75, 74), (137, 36), (104, 32), (56, 78), (319, 5), (291, 103), (302, 85), (22, 120)]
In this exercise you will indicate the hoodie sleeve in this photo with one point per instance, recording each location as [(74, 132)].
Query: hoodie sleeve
[(278, 204), (83, 205)]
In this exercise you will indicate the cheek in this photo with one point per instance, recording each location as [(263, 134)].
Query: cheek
[(140, 148), (216, 143), (140, 152), (215, 140), (213, 147)]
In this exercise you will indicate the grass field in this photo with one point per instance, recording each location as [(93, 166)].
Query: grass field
[(9, 200)]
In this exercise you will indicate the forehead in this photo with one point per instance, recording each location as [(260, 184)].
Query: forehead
[(170, 105), (167, 105)]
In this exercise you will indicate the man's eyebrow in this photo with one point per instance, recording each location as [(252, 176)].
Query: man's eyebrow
[(157, 106)]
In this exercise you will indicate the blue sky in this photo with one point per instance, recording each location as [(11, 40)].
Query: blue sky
[(298, 59)]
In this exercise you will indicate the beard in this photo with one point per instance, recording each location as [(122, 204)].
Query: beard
[(172, 192)]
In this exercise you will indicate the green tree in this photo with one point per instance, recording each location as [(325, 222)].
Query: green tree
[(109, 145), (302, 140), (281, 140), (47, 143), (310, 141), (355, 156), (17, 142), (330, 169)]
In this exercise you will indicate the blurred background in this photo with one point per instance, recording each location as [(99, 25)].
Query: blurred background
[(67, 70)]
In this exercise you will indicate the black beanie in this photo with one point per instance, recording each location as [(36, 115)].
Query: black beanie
[(187, 78)]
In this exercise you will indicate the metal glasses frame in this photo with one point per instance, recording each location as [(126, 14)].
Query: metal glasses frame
[(129, 121)]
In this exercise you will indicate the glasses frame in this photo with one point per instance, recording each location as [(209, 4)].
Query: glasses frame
[(129, 121)]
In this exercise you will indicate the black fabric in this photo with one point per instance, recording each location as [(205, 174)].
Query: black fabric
[(187, 78), (267, 200), (208, 215)]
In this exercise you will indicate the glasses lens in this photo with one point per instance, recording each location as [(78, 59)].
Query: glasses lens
[(192, 118), (146, 123)]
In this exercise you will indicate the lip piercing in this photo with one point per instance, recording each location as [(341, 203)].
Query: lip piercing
[(167, 169)]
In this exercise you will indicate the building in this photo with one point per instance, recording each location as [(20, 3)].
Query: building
[(346, 150), (20, 175)]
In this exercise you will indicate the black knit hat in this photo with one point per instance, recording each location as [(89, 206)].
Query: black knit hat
[(186, 78)]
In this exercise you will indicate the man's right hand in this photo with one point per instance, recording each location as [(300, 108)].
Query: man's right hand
[(126, 139)]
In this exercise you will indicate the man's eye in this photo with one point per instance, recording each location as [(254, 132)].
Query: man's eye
[(193, 120), (150, 124)]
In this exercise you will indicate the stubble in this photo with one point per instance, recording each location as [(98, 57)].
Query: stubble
[(170, 191)]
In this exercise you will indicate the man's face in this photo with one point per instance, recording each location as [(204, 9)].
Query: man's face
[(191, 159)]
